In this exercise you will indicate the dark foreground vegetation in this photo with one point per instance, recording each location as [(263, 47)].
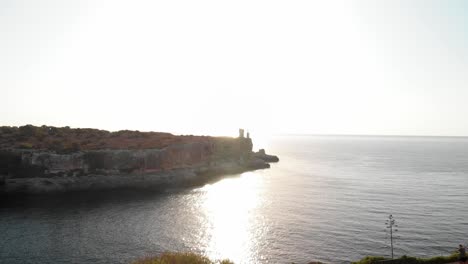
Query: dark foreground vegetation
[(180, 258), (409, 260), (192, 258)]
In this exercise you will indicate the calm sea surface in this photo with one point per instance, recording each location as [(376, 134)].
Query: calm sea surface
[(327, 199)]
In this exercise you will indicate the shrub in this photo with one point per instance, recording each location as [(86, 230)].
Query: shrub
[(25, 145), (440, 259), (7, 130), (180, 258), (369, 260), (409, 260), (27, 130), (40, 132)]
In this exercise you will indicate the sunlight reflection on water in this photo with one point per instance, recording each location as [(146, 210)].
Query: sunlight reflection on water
[(229, 207), (324, 201)]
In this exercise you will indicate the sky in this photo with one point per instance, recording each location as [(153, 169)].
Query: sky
[(365, 67)]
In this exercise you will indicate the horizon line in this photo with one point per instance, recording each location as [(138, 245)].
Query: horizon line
[(279, 134), (369, 135)]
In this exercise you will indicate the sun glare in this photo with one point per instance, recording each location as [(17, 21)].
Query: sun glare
[(229, 206)]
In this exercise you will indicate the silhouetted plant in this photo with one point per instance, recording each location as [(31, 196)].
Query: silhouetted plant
[(392, 228)]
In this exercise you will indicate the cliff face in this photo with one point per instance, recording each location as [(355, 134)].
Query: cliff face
[(179, 163)]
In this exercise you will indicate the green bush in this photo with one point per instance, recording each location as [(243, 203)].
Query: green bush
[(409, 260), (180, 258), (440, 259), (369, 260)]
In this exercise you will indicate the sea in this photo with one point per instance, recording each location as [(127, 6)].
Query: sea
[(328, 199)]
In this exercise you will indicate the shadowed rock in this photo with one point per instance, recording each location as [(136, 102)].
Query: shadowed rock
[(265, 157)]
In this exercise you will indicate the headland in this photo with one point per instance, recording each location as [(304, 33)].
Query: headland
[(50, 159)]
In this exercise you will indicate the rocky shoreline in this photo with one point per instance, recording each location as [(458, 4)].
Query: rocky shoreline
[(186, 162), (113, 179)]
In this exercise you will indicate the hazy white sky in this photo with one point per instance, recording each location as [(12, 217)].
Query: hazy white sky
[(210, 67)]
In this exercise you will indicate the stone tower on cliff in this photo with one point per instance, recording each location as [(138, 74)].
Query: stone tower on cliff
[(241, 133)]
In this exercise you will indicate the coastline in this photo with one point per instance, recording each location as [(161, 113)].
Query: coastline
[(179, 178), (179, 161)]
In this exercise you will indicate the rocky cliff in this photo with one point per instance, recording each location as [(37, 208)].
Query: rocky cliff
[(45, 159)]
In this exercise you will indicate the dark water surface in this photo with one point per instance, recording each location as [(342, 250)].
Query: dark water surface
[(326, 200)]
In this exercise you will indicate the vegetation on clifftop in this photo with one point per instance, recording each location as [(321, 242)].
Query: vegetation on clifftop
[(66, 139)]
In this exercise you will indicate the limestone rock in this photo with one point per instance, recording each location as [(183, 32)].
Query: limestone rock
[(265, 157), (187, 161)]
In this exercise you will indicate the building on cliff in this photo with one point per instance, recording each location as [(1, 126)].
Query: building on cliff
[(241, 133)]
